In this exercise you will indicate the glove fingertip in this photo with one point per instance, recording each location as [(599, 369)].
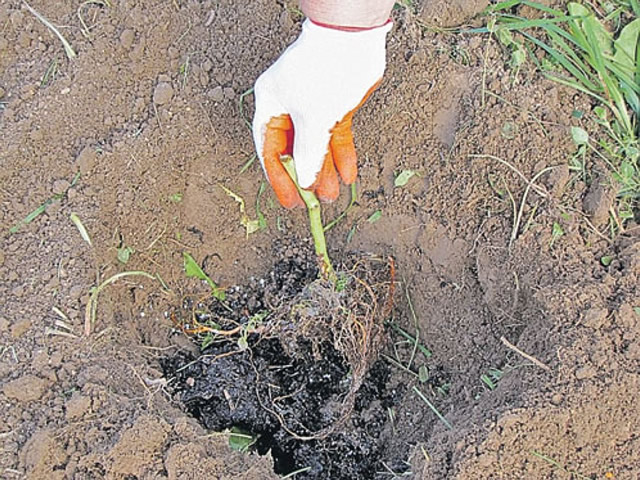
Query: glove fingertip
[(327, 185), (344, 155)]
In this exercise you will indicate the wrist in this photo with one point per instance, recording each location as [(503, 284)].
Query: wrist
[(353, 15)]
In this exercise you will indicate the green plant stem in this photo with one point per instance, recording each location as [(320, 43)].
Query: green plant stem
[(315, 221)]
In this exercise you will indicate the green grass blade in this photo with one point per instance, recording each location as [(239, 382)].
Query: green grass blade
[(573, 84), (31, 216), (81, 228), (577, 72), (241, 107), (586, 75), (517, 23), (425, 351), (68, 49), (507, 5), (620, 111), (623, 76), (433, 408), (498, 7)]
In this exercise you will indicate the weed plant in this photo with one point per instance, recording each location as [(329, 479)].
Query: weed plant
[(593, 49)]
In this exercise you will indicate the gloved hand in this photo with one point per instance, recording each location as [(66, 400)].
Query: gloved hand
[(305, 104)]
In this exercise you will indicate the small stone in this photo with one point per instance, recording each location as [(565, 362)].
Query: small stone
[(20, 328), (595, 318), (4, 325), (16, 18), (2, 92), (1, 258), (25, 389), (207, 65), (286, 23), (558, 179), (18, 291), (163, 77), (173, 52), (216, 94), (24, 39), (137, 52), (65, 91), (127, 37), (56, 359), (139, 105), (556, 399), (86, 160), (163, 93), (43, 456), (36, 135), (229, 93), (61, 186), (585, 372), (77, 406), (598, 201)]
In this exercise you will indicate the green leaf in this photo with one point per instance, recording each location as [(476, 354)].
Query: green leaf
[(124, 253), (403, 177), (83, 231), (627, 170), (243, 343), (509, 130), (241, 440), (488, 382), (251, 226), (176, 197), (603, 39), (423, 374), (556, 232), (375, 216), (579, 135), (193, 270), (606, 260), (207, 340), (505, 37), (626, 45), (262, 222), (631, 97), (518, 57), (600, 112)]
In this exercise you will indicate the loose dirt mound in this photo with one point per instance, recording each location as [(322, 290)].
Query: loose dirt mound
[(148, 113)]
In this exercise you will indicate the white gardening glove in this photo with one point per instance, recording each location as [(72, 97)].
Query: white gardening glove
[(305, 103)]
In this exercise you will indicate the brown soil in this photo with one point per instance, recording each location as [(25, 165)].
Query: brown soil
[(148, 113)]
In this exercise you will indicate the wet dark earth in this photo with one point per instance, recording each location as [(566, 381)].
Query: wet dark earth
[(288, 397), (229, 394)]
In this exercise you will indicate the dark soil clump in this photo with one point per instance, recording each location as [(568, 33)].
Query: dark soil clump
[(313, 403)]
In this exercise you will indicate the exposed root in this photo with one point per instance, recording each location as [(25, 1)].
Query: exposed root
[(348, 315), (351, 320)]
